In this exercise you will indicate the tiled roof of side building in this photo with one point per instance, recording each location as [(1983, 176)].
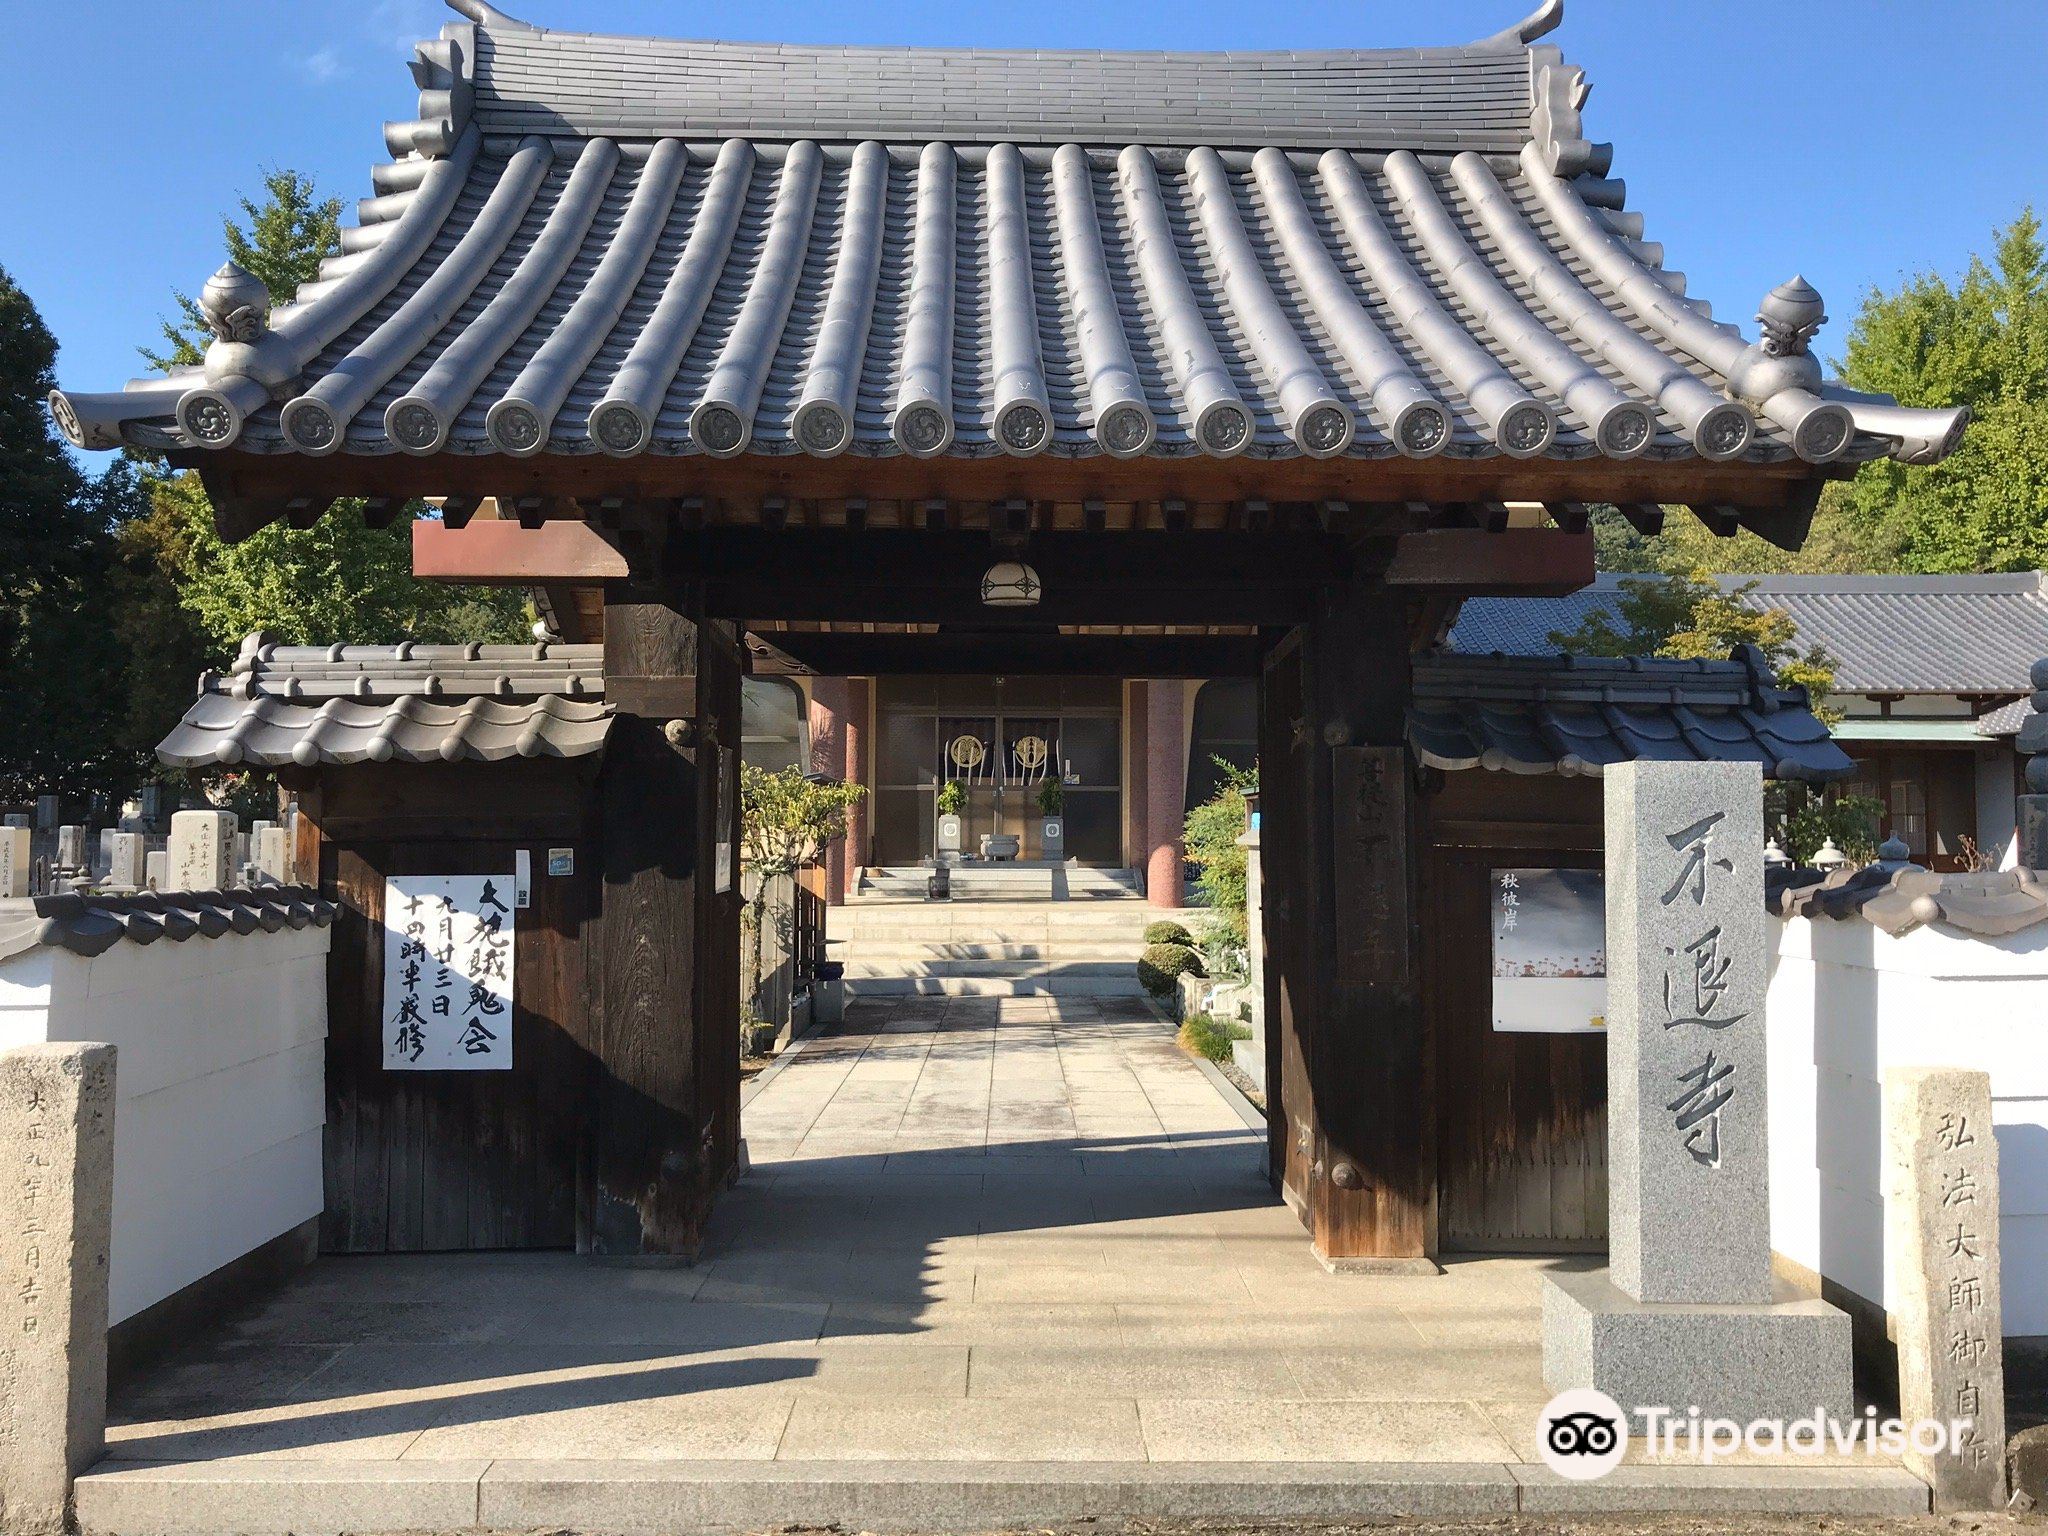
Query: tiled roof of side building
[(1578, 715), (1886, 634), (592, 244), (309, 705)]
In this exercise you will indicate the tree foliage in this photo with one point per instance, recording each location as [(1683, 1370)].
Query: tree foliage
[(282, 242), (1981, 342), (60, 730), (787, 820), (1694, 618), (1210, 837), (337, 581)]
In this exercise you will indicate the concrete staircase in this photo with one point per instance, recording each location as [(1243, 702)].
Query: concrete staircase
[(1010, 937)]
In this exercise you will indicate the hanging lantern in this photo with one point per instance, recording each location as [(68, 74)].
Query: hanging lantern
[(1010, 584)]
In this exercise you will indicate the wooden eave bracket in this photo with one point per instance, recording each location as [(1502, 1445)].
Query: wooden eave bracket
[(1542, 562), (497, 551)]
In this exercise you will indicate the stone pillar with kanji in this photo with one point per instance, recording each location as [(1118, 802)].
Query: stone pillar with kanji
[(1942, 1276), (1687, 1314)]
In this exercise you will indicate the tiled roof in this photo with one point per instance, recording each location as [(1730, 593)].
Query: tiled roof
[(1577, 715), (620, 245), (91, 925), (1898, 897), (1887, 634), (307, 705)]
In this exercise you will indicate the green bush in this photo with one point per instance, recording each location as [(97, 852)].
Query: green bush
[(1169, 933), (952, 798), (1162, 965), (1203, 1034)]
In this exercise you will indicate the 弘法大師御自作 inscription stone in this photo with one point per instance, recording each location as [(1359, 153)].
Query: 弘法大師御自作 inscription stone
[(1942, 1277), (56, 1224), (1685, 1316)]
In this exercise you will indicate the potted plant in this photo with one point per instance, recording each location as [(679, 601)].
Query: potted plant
[(1052, 826), (952, 802)]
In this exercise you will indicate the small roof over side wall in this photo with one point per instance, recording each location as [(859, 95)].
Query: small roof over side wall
[(1887, 634), (1579, 714), (286, 705), (594, 245)]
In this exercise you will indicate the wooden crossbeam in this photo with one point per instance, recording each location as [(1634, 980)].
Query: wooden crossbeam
[(1533, 561)]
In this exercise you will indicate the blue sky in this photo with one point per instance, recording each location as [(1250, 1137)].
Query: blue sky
[(1852, 140)]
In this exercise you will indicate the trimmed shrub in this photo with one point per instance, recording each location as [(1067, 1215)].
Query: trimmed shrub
[(1167, 932), (1162, 965), (1204, 1034)]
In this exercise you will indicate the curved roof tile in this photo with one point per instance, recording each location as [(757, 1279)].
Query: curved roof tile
[(625, 245)]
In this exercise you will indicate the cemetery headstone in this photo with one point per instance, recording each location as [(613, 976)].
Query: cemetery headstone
[(156, 869), (14, 861), (1686, 1313), (19, 819), (127, 865), (1941, 1212), (46, 813), (71, 847), (202, 850), (269, 853)]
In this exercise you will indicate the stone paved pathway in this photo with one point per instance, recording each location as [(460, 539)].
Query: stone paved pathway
[(1017, 1254)]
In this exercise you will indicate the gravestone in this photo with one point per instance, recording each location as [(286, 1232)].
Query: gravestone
[(127, 862), (71, 847), (1686, 1314), (202, 850), (18, 819), (46, 813), (103, 859), (156, 869), (56, 1221), (270, 853), (1941, 1210), (14, 861)]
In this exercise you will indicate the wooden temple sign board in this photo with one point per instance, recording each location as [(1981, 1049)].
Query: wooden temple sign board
[(448, 973)]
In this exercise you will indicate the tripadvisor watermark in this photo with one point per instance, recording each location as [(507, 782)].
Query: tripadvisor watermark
[(1583, 1434)]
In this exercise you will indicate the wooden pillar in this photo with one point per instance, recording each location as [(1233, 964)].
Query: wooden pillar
[(858, 692), (665, 1117), (1354, 1142), (828, 756), (1165, 790), (1138, 850)]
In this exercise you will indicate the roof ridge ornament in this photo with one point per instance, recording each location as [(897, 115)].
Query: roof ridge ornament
[(1781, 360), (484, 14), (1541, 22)]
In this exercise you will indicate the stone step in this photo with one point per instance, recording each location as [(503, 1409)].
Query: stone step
[(872, 970), (1053, 983), (876, 951)]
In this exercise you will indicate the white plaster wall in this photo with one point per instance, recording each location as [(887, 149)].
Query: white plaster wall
[(1998, 807), (219, 1093), (1847, 1001)]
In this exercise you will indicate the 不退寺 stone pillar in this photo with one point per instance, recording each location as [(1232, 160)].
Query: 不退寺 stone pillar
[(56, 1220), (1685, 1316), (1165, 790), (828, 713), (1941, 1274)]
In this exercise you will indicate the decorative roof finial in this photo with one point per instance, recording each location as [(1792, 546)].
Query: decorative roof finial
[(1783, 358), (235, 303), (1792, 313)]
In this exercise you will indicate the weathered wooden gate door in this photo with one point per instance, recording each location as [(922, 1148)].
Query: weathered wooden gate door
[(1522, 1117), (435, 1161)]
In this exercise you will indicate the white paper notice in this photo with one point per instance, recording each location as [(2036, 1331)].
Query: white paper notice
[(448, 973)]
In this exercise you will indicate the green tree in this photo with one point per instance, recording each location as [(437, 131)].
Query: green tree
[(338, 580), (1210, 836), (1693, 618), (787, 820), (190, 596), (1982, 343), (63, 664), (282, 242)]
